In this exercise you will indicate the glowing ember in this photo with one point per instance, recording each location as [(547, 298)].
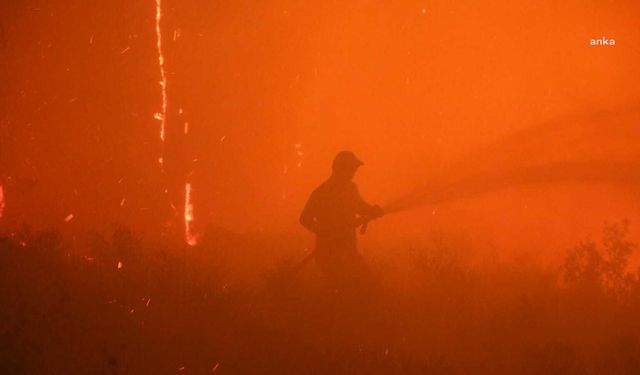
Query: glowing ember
[(68, 218), (176, 34), (119, 265), (190, 238)]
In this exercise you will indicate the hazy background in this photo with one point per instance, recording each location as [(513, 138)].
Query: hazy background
[(441, 99), (272, 90)]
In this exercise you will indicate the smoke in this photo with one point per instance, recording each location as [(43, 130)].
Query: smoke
[(599, 171), (596, 147)]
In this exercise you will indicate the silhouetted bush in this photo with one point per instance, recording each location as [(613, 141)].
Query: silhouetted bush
[(603, 270), (116, 305)]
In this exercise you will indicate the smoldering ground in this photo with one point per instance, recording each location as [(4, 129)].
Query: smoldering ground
[(114, 304)]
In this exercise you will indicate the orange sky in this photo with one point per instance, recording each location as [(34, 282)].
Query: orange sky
[(271, 91)]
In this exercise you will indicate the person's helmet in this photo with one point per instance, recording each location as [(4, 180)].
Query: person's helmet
[(346, 160)]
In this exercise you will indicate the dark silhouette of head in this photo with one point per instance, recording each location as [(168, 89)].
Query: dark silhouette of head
[(345, 165)]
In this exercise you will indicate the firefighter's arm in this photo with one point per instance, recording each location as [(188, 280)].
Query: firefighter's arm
[(368, 211)]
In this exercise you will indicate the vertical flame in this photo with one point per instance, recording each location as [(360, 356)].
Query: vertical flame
[(190, 238), (162, 116), (1, 201)]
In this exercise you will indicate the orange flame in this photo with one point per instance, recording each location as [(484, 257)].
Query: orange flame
[(1, 201), (161, 116), (190, 238)]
